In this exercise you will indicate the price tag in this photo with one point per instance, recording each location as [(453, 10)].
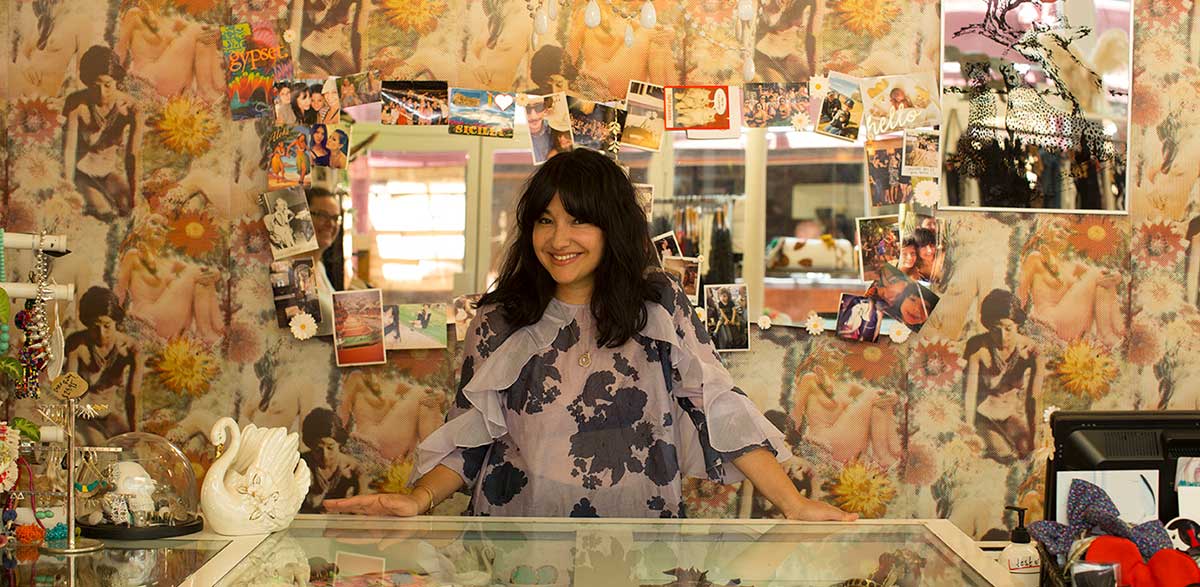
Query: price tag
[(69, 386)]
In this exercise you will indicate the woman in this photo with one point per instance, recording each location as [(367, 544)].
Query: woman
[(563, 408), (318, 149), (1004, 379), (864, 422), (284, 113), (103, 138), (728, 323), (391, 327), (339, 146), (334, 473), (107, 359), (302, 109)]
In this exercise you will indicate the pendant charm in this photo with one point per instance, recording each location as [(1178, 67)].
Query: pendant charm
[(585, 360)]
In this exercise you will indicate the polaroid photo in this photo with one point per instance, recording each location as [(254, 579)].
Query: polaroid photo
[(667, 246), (645, 120), (549, 123), (415, 103), (897, 102), (859, 318), (289, 163), (321, 97), (645, 198), (922, 153), (878, 244), (885, 157), (697, 107), (294, 287), (841, 108), (922, 246), (686, 270), (360, 88), (288, 222), (767, 105), (414, 326), (249, 72), (596, 126), (330, 145), (735, 120), (903, 298), (358, 327), (726, 308), (351, 565), (461, 313), (482, 113)]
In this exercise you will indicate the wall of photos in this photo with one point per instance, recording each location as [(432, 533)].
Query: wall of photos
[(188, 257)]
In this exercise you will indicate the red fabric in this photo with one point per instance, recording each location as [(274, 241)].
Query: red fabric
[(1167, 568), (1172, 568)]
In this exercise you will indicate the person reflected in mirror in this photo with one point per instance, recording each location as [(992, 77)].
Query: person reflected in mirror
[(335, 474)]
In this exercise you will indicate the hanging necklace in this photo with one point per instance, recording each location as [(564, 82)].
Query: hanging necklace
[(585, 360)]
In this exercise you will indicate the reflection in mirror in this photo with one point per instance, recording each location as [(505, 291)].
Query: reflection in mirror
[(1035, 103)]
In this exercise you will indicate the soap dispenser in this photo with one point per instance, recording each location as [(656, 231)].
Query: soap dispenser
[(1021, 556)]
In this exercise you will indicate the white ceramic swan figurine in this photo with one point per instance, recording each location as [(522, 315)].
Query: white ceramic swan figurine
[(257, 484)]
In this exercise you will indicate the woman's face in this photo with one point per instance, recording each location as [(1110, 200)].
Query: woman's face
[(912, 310), (106, 88), (564, 142), (280, 205), (304, 100), (284, 96), (318, 134), (335, 142), (389, 318), (569, 249), (103, 331), (928, 252), (908, 257), (724, 297), (318, 101), (1004, 333), (327, 449)]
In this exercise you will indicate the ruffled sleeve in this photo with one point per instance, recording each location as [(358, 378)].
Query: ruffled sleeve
[(720, 423)]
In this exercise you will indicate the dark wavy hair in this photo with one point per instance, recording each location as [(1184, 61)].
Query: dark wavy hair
[(593, 189)]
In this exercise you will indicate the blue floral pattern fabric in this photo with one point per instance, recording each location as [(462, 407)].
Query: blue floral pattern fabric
[(534, 431)]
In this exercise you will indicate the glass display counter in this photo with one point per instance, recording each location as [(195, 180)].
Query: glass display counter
[(356, 551)]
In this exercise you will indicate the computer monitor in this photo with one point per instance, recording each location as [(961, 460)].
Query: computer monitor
[(1123, 440)]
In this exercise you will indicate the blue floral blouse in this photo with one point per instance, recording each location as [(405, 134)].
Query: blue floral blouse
[(536, 431)]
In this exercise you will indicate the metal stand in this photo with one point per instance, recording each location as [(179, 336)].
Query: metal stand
[(72, 544)]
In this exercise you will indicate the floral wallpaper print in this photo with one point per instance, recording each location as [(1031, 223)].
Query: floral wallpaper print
[(1101, 309)]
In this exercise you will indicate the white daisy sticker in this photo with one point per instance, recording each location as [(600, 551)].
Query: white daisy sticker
[(303, 326)]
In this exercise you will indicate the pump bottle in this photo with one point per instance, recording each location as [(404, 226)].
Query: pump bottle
[(1021, 557)]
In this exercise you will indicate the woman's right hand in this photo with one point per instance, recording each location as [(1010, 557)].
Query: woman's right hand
[(377, 504)]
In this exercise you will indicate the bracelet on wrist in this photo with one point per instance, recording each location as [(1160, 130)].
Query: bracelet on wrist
[(431, 498)]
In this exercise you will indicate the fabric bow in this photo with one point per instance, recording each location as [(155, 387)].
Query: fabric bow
[(1090, 510)]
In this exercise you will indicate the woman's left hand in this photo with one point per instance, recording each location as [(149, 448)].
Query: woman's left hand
[(810, 510)]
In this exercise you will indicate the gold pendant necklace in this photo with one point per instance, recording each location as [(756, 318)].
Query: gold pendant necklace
[(585, 360)]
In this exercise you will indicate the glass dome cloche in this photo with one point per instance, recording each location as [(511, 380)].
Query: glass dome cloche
[(146, 491)]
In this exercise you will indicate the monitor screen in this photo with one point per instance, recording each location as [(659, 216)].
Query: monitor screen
[(1145, 444)]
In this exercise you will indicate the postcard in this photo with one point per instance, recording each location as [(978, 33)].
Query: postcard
[(859, 318), (922, 153), (549, 122), (461, 313), (360, 88), (686, 270), (645, 198), (596, 126), (482, 113), (879, 244), (841, 108), (725, 312), (289, 225), (358, 327), (645, 122), (773, 104), (250, 70), (329, 145), (735, 120), (289, 163), (294, 287), (896, 102), (414, 326), (903, 298), (697, 107), (667, 245), (885, 156), (416, 103)]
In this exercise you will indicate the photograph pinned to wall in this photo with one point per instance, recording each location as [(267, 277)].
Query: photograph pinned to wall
[(725, 310), (596, 126), (250, 70), (317, 101), (922, 155), (335, 152), (858, 318), (841, 108), (289, 224), (463, 308), (645, 121), (549, 123), (774, 104), (735, 120), (360, 88), (686, 270), (358, 327), (482, 113), (896, 102), (294, 287), (667, 246), (415, 103), (922, 246), (414, 326), (903, 298), (645, 198), (289, 163), (885, 158), (878, 244), (697, 107)]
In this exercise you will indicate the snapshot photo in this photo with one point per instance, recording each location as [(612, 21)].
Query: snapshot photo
[(773, 104), (903, 298), (461, 313), (415, 103), (887, 185), (922, 246), (289, 225), (360, 88), (333, 150), (414, 326), (859, 318), (921, 153), (294, 287), (697, 107), (667, 245), (482, 113), (725, 309), (549, 124), (897, 102), (645, 198), (878, 244), (596, 126), (645, 120), (358, 327), (687, 271), (841, 109)]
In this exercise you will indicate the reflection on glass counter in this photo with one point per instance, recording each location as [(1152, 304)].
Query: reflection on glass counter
[(151, 563), (356, 551)]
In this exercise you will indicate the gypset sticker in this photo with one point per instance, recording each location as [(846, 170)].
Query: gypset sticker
[(481, 113)]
